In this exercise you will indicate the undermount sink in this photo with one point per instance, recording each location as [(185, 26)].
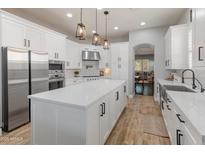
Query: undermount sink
[(178, 88)]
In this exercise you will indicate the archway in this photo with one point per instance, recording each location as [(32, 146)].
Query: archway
[(144, 69)]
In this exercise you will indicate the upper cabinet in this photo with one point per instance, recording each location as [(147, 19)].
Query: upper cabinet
[(119, 63), (177, 50), (13, 34), (198, 37), (105, 61), (20, 35), (73, 55), (35, 39), (56, 46)]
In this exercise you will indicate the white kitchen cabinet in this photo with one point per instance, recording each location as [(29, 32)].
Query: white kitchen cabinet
[(20, 35), (119, 60), (104, 120), (55, 45), (180, 129), (105, 61), (35, 39), (13, 34), (198, 37), (77, 122), (73, 55), (177, 47)]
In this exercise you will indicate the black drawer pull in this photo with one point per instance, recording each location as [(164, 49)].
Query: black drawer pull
[(101, 110), (178, 135), (168, 107), (117, 98), (200, 54), (178, 116)]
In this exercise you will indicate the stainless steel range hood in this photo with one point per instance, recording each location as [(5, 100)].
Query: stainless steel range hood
[(90, 56)]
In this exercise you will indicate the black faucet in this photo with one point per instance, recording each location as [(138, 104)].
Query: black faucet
[(193, 77), (202, 89)]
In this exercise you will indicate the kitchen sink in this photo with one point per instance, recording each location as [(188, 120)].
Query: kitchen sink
[(178, 88)]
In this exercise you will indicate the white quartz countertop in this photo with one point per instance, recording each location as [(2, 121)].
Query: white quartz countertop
[(79, 95), (191, 104)]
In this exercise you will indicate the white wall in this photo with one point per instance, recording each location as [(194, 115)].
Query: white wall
[(154, 36)]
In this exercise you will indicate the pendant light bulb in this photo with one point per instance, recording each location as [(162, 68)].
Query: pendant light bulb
[(96, 36), (81, 30), (106, 42)]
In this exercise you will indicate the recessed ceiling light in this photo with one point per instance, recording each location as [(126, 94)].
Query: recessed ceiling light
[(116, 28), (69, 15), (99, 8), (143, 23), (93, 31)]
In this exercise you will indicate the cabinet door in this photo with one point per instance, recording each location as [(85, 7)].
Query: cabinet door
[(113, 108), (73, 55), (35, 39), (114, 62), (198, 37), (167, 49), (13, 34), (102, 62), (61, 48), (104, 120), (123, 61)]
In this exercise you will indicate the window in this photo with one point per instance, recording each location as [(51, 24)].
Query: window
[(144, 65)]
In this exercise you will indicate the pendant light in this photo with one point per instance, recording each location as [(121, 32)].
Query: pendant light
[(96, 37), (106, 43), (81, 31)]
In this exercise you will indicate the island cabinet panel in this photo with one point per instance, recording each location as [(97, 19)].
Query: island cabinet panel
[(66, 123), (57, 124)]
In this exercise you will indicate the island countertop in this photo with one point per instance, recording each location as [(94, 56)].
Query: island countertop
[(79, 95)]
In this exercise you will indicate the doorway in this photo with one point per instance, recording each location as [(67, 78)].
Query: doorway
[(144, 69)]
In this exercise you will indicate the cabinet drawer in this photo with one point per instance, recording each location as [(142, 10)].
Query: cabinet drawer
[(189, 130)]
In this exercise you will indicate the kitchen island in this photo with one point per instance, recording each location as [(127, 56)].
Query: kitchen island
[(84, 113)]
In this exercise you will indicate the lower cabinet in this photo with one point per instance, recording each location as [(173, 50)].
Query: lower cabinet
[(104, 120), (103, 115), (180, 129), (59, 123)]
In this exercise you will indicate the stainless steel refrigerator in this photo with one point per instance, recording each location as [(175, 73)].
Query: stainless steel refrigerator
[(23, 73)]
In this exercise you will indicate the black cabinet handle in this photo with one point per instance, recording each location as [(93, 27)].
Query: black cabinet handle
[(190, 15), (124, 89), (162, 105), (168, 107), (178, 116), (101, 110), (168, 100), (117, 98), (200, 53), (178, 135)]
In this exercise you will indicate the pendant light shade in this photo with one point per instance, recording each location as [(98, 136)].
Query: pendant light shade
[(96, 37), (81, 31), (106, 42)]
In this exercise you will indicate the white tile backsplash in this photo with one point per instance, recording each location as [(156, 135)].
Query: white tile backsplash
[(90, 68)]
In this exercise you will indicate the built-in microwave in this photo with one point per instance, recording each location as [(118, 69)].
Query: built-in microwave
[(56, 66)]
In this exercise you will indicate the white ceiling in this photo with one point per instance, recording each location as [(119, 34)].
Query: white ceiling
[(126, 19)]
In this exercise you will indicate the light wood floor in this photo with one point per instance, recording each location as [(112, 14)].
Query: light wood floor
[(128, 130)]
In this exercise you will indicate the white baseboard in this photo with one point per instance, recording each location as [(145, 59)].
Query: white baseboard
[(130, 96)]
